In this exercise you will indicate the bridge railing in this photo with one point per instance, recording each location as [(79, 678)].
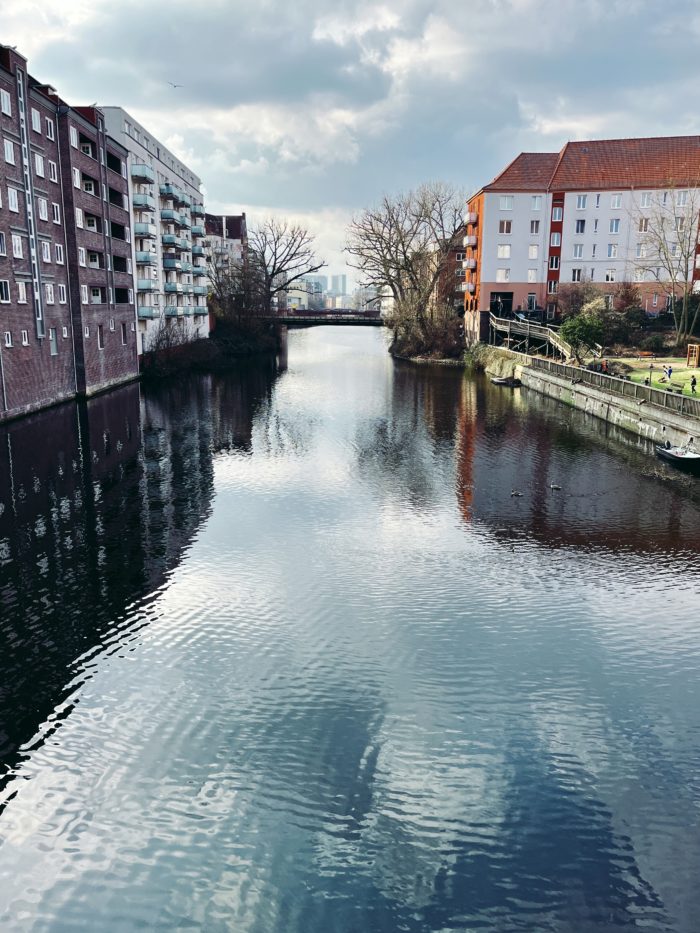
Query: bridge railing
[(671, 400)]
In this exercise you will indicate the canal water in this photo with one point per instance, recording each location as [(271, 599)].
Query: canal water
[(280, 650)]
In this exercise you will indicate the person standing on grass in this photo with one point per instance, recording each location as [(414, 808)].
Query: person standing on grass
[(693, 384)]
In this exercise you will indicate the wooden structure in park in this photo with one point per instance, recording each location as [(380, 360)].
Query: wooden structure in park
[(693, 361)]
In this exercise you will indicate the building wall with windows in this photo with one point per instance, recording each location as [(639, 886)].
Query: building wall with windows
[(99, 251), (168, 254), (583, 214), (36, 346)]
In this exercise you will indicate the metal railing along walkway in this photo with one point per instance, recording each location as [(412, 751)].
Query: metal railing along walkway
[(671, 400), (538, 332)]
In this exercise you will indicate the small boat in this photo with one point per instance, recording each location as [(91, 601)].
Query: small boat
[(687, 456), (509, 381)]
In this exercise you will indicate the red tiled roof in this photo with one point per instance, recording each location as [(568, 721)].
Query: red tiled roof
[(656, 162), (530, 171)]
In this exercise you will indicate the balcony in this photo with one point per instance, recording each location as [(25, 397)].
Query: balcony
[(185, 221), (199, 270), (472, 217), (173, 311), (469, 263), (147, 230), (198, 210), (189, 310), (469, 241), (172, 264), (173, 287), (197, 250), (145, 257), (186, 266), (170, 239), (467, 287), (143, 202), (197, 230), (201, 309), (147, 314), (171, 191), (146, 285), (141, 172), (171, 216), (201, 290)]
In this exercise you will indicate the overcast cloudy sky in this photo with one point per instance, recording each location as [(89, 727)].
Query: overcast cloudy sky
[(314, 108)]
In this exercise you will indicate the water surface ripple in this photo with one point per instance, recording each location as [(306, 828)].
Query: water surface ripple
[(280, 651)]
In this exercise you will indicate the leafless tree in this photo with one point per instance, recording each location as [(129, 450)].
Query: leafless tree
[(667, 239), (402, 247), (280, 253)]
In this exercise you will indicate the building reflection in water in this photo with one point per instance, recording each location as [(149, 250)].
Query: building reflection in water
[(98, 503)]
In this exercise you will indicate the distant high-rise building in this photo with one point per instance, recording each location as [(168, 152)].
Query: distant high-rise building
[(339, 284)]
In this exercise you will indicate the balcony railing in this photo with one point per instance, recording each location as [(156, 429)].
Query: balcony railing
[(171, 287), (171, 239), (469, 263), (186, 266), (469, 240), (147, 314), (197, 250), (172, 264), (141, 172), (198, 210), (145, 257), (170, 215), (467, 287), (201, 290), (173, 311), (172, 191), (472, 217), (146, 285), (199, 270), (143, 202), (147, 230), (198, 230)]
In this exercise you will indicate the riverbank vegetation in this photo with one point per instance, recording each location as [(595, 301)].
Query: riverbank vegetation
[(402, 248)]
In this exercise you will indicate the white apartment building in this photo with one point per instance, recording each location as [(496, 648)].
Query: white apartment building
[(226, 239), (589, 212), (167, 211)]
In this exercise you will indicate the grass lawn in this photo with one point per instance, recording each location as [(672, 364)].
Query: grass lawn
[(640, 371)]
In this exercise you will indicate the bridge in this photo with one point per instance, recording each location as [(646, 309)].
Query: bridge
[(521, 335), (343, 316)]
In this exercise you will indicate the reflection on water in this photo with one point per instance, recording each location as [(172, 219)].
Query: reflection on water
[(282, 652)]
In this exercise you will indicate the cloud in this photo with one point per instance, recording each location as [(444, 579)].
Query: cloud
[(316, 108)]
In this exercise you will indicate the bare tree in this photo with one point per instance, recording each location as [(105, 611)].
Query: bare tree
[(667, 239), (402, 246), (279, 254)]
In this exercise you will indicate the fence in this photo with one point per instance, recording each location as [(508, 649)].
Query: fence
[(670, 400), (528, 330)]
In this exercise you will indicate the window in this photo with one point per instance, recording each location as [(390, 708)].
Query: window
[(533, 251), (576, 275), (56, 213), (53, 171), (111, 323), (680, 223), (62, 295), (595, 226), (59, 253), (79, 217), (505, 226), (612, 250), (581, 202), (81, 256), (609, 275), (639, 275), (506, 202), (84, 300), (42, 206), (458, 256), (655, 299), (36, 120), (557, 213), (641, 250), (13, 200), (53, 343), (615, 201), (532, 275), (555, 239), (87, 331), (131, 296), (17, 250), (21, 293), (614, 225), (4, 291), (503, 250), (25, 338), (553, 262), (100, 337), (552, 287), (681, 198), (5, 103), (536, 202), (580, 226), (592, 275), (9, 151), (50, 133), (49, 293), (643, 224), (39, 164), (3, 245), (46, 251), (645, 199), (76, 178), (8, 339), (503, 275), (578, 250), (74, 137), (95, 296), (534, 227), (64, 332), (593, 251), (123, 334)]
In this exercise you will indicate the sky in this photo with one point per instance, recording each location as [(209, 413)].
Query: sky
[(313, 109)]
